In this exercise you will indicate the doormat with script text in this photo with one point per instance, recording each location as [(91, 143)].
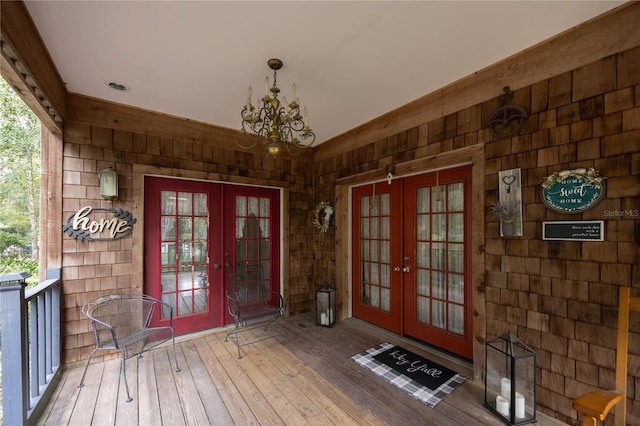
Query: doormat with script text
[(425, 380)]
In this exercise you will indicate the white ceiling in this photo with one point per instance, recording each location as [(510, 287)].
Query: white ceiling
[(351, 61)]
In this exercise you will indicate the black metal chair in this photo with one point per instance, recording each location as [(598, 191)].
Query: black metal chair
[(123, 322), (250, 299)]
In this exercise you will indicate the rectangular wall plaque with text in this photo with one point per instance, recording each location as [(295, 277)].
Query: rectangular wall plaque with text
[(583, 230)]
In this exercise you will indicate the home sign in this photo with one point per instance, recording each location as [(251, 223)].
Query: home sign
[(99, 224), (573, 191)]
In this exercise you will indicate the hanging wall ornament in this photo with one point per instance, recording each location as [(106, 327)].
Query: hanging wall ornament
[(509, 208), (508, 120), (322, 217)]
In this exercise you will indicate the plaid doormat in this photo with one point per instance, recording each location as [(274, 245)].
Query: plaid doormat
[(425, 380)]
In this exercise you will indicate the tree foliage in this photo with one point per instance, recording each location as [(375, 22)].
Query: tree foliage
[(19, 176)]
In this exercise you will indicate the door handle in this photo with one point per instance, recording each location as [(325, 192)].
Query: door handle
[(396, 269), (406, 269), (216, 266)]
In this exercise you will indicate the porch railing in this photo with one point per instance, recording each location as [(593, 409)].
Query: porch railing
[(30, 351)]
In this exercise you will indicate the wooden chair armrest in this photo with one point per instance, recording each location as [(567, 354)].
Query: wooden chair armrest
[(597, 403)]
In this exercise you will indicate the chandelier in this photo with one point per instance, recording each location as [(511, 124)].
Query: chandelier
[(272, 124)]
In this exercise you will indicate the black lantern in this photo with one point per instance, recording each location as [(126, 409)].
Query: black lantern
[(510, 380), (326, 306)]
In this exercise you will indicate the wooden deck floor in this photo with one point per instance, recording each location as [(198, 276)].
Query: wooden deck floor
[(309, 380)]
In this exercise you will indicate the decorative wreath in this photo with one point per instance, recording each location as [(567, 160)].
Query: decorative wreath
[(322, 216), (590, 176)]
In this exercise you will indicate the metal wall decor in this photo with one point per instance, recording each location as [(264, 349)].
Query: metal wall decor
[(93, 224), (508, 120)]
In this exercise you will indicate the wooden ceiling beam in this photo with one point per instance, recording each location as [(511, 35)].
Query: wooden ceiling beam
[(28, 67)]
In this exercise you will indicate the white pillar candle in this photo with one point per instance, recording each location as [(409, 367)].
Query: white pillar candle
[(505, 388), (323, 318), (502, 405), (519, 405)]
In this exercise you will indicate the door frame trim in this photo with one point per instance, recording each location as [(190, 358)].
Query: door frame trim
[(473, 155)]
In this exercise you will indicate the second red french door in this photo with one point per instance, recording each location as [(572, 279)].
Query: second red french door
[(411, 257)]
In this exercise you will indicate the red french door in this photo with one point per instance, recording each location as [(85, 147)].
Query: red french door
[(193, 232), (377, 289), (424, 223), (252, 227)]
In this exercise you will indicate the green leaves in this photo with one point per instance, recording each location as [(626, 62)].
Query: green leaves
[(19, 175)]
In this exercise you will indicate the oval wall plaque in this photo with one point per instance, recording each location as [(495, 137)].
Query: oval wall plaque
[(573, 191)]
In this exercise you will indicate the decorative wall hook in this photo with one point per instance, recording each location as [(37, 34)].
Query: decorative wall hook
[(390, 171), (508, 120)]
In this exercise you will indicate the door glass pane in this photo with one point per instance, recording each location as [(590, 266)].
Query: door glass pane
[(423, 227), (184, 253), (385, 228), (455, 197), (374, 227), (385, 205), (200, 228), (438, 318), (424, 255), (439, 228), (438, 256), (424, 313), (423, 200), (264, 228), (200, 204), (168, 202), (185, 228), (386, 299), (385, 256), (168, 228), (456, 316), (424, 283), (364, 228), (456, 227), (253, 206), (364, 206), (455, 256), (241, 206), (185, 206), (200, 300), (437, 199), (456, 288)]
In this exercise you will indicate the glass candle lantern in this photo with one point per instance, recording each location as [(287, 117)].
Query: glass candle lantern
[(510, 380), (326, 306)]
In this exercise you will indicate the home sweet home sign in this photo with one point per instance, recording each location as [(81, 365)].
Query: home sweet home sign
[(99, 224), (573, 191)]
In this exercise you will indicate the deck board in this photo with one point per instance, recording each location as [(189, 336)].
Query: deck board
[(217, 412), (106, 404), (128, 412), (149, 405), (308, 380)]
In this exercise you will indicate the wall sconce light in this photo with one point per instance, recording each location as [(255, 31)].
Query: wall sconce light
[(109, 184)]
